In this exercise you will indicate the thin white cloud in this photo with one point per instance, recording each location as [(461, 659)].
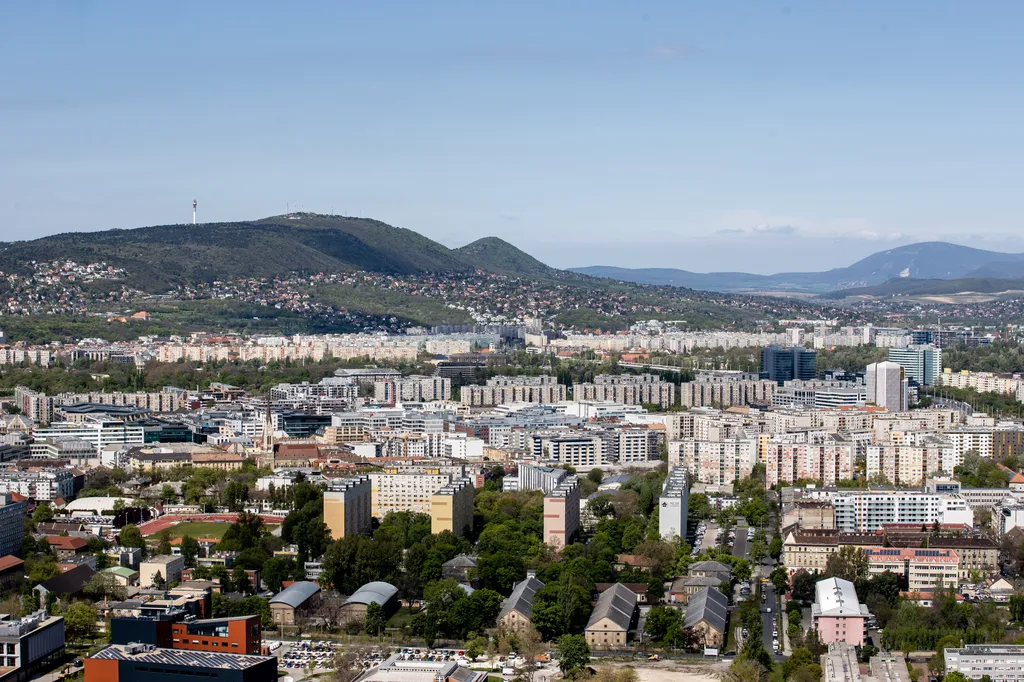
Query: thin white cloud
[(766, 228)]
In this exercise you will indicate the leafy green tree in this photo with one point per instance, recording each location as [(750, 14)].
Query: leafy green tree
[(164, 547), (234, 495), (167, 494), (775, 547), (799, 658), (699, 507), (803, 585), (849, 563), (80, 621), (43, 513), (664, 626), (745, 670), (595, 475), (276, 570), (131, 536), (43, 570), (937, 663), (757, 551), (244, 533), (780, 578), (189, 550), (955, 677), (573, 655), (375, 622), (1017, 608)]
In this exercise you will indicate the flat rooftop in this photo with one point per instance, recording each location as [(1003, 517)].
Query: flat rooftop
[(147, 654)]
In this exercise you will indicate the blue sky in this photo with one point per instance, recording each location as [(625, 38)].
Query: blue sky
[(707, 136)]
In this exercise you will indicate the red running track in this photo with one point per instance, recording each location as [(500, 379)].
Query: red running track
[(156, 525)]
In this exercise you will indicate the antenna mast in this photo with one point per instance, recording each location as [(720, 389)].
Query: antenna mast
[(194, 205)]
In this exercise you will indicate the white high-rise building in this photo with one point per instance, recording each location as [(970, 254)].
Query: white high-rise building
[(674, 505), (886, 386)]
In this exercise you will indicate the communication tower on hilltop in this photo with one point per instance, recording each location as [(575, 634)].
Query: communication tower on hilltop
[(194, 204)]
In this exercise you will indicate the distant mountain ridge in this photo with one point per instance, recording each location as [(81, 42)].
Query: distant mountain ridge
[(160, 257), (924, 260), (930, 287)]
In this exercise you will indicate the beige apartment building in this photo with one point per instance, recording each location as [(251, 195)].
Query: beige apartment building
[(405, 490), (167, 566), (451, 508), (347, 507)]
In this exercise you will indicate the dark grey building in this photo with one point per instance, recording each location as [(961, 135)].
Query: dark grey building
[(785, 363)]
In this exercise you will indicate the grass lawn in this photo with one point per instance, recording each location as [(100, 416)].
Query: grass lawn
[(199, 529), (402, 617)]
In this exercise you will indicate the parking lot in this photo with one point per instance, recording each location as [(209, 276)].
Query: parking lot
[(312, 655), (319, 655)]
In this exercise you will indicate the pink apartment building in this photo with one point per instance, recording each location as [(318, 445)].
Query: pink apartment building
[(836, 614)]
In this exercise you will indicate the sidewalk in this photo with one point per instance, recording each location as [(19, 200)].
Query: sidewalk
[(787, 648)]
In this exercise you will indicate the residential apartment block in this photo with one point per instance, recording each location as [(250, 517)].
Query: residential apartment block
[(673, 504), (837, 614), (788, 462), (46, 485), (999, 662), (911, 465), (724, 389), (502, 390), (451, 508), (412, 389), (562, 513), (866, 512), (715, 462), (406, 490), (628, 390), (923, 568), (347, 505)]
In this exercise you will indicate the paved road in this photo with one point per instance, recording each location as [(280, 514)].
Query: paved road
[(741, 547), (709, 536), (766, 618)]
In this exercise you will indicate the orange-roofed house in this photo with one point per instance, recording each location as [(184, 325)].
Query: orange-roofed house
[(12, 571), (66, 546), (142, 315)]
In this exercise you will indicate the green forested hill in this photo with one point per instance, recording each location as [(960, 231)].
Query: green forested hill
[(160, 257)]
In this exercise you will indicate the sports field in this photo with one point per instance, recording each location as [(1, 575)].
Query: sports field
[(200, 529)]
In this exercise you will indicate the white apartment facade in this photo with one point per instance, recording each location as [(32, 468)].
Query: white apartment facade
[(866, 512), (102, 433)]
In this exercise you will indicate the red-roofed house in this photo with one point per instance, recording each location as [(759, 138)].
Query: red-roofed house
[(66, 546), (12, 571)]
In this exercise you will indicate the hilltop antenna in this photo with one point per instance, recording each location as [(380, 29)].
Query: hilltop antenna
[(194, 205)]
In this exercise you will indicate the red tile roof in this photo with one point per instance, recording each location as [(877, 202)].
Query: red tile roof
[(66, 542), (10, 561)]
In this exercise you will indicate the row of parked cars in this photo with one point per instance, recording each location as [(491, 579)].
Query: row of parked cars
[(309, 654)]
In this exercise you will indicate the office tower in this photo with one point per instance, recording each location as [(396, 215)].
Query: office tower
[(781, 364), (886, 386)]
